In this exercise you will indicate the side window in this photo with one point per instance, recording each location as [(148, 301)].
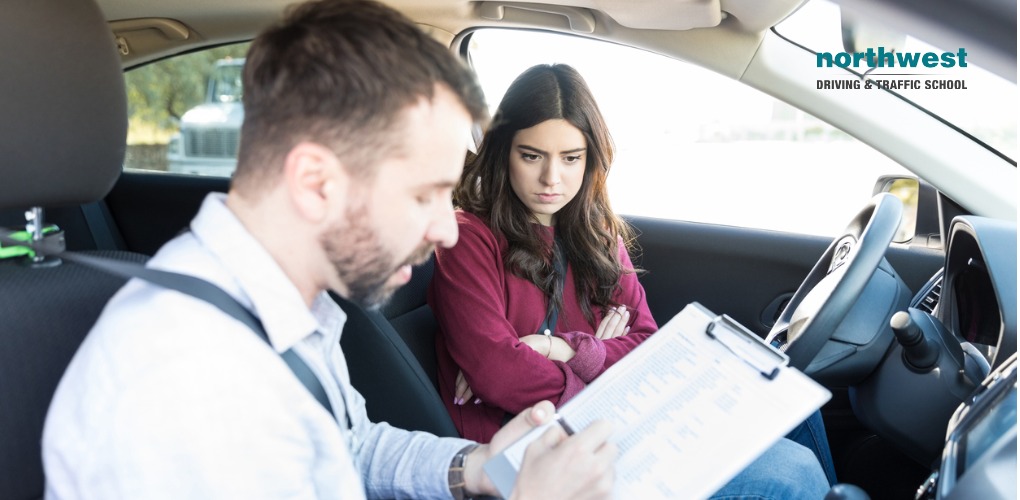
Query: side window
[(185, 113), (694, 145)]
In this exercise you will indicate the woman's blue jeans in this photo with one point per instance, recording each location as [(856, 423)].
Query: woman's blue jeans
[(811, 434), (799, 466)]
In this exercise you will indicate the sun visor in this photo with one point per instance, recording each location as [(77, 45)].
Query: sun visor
[(639, 14), (660, 15)]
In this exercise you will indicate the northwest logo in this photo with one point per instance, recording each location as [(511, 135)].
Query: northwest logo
[(882, 58)]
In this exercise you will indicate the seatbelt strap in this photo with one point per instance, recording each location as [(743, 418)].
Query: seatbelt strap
[(216, 296), (104, 234)]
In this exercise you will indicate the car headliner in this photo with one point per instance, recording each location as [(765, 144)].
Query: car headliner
[(640, 23)]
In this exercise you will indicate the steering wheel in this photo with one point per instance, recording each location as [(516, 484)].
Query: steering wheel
[(835, 283)]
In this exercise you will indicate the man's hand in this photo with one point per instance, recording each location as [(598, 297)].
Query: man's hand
[(555, 465), (575, 467), (475, 480)]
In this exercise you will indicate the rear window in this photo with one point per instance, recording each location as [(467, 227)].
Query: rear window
[(185, 113)]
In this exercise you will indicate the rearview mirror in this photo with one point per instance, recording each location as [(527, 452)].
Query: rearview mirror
[(907, 190), (859, 35)]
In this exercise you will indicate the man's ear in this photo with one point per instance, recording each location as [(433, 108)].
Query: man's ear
[(314, 177)]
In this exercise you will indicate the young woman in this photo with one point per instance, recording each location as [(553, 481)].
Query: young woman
[(539, 295)]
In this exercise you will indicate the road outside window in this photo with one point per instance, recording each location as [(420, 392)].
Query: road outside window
[(184, 113)]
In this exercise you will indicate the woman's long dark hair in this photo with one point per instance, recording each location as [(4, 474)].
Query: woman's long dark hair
[(586, 227)]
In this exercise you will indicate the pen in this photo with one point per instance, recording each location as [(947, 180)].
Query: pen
[(564, 425)]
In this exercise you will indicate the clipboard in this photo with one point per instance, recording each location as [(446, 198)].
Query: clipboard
[(702, 391)]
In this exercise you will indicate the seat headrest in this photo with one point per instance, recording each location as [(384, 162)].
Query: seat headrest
[(63, 109)]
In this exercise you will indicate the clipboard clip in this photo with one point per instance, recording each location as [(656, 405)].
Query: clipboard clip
[(747, 346)]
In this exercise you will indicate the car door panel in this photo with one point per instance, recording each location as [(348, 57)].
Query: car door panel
[(152, 208), (745, 273)]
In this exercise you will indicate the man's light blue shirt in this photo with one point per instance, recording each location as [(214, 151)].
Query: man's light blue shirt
[(170, 398)]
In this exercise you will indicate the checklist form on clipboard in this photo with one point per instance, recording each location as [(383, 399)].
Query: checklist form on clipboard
[(691, 407)]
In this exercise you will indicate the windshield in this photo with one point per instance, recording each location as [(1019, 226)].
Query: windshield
[(225, 83), (692, 158), (953, 87)]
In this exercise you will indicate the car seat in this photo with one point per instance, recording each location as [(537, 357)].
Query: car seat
[(63, 123), (392, 359)]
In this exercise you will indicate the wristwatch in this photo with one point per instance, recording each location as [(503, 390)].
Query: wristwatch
[(456, 476)]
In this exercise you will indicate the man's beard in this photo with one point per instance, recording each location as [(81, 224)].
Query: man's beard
[(362, 263)]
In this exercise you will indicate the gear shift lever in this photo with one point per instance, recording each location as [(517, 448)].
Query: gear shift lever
[(919, 352)]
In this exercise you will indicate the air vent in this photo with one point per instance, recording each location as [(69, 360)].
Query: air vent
[(928, 299)]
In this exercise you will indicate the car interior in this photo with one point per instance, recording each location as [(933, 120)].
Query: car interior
[(896, 399)]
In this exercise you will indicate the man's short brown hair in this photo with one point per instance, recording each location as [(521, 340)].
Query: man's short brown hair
[(339, 73)]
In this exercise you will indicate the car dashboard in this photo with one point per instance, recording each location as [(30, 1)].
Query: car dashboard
[(979, 458), (974, 297)]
